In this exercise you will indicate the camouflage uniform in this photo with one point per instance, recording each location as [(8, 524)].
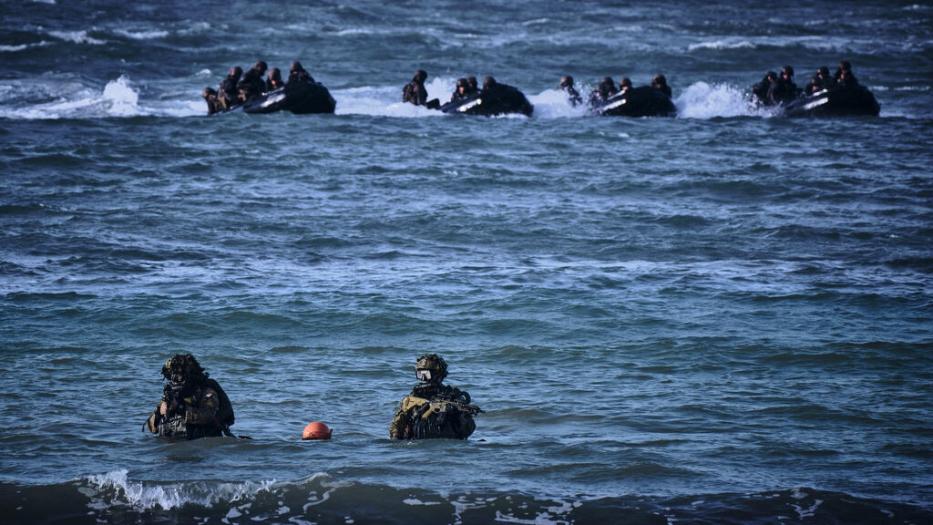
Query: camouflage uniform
[(197, 408), (433, 410)]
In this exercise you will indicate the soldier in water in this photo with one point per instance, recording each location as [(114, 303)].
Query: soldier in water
[(433, 410), (414, 92), (192, 406)]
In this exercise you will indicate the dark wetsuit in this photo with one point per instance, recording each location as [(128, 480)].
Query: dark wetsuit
[(252, 85), (226, 94), (415, 93), (573, 95), (847, 81), (213, 104), (273, 83), (300, 76), (434, 411), (194, 412)]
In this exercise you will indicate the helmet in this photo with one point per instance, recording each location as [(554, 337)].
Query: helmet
[(420, 75), (566, 81), (789, 70), (183, 368), (431, 368)]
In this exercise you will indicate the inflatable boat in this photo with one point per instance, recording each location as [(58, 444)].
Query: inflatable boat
[(502, 100), (643, 101), (298, 97), (839, 102)]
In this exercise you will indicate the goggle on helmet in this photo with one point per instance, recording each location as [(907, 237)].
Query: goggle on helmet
[(431, 368)]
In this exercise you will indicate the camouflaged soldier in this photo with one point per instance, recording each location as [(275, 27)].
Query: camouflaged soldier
[(192, 406), (433, 410)]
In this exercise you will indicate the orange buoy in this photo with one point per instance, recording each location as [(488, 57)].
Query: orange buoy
[(316, 430)]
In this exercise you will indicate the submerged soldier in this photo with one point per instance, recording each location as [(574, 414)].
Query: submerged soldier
[(566, 85), (192, 406), (414, 92), (433, 410)]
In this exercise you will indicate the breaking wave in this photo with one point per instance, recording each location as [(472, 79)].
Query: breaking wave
[(320, 498), (142, 35), (77, 37)]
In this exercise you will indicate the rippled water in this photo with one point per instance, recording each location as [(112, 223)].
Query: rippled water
[(719, 317)]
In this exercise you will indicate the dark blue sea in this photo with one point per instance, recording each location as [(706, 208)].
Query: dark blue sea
[(723, 317)]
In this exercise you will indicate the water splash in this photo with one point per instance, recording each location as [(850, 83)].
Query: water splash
[(705, 101), (121, 99), (553, 103), (386, 100)]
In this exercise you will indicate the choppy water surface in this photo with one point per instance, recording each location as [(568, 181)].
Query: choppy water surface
[(720, 317)]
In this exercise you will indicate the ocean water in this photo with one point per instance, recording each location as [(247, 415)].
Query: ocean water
[(724, 317)]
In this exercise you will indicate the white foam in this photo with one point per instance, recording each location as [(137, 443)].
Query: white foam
[(703, 101), (119, 98), (721, 44), (553, 103), (386, 100), (142, 496), (122, 100), (78, 37), (819, 43), (22, 47), (195, 28), (142, 35)]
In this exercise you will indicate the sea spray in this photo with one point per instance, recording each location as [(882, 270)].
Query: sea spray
[(121, 97), (553, 103), (703, 101), (386, 100)]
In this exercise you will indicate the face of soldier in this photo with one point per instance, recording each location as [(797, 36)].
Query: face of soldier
[(423, 375)]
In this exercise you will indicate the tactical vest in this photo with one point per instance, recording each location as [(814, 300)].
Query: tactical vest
[(437, 418)]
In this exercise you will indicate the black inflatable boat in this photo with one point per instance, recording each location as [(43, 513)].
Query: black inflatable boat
[(298, 97), (839, 102), (502, 100), (643, 101)]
